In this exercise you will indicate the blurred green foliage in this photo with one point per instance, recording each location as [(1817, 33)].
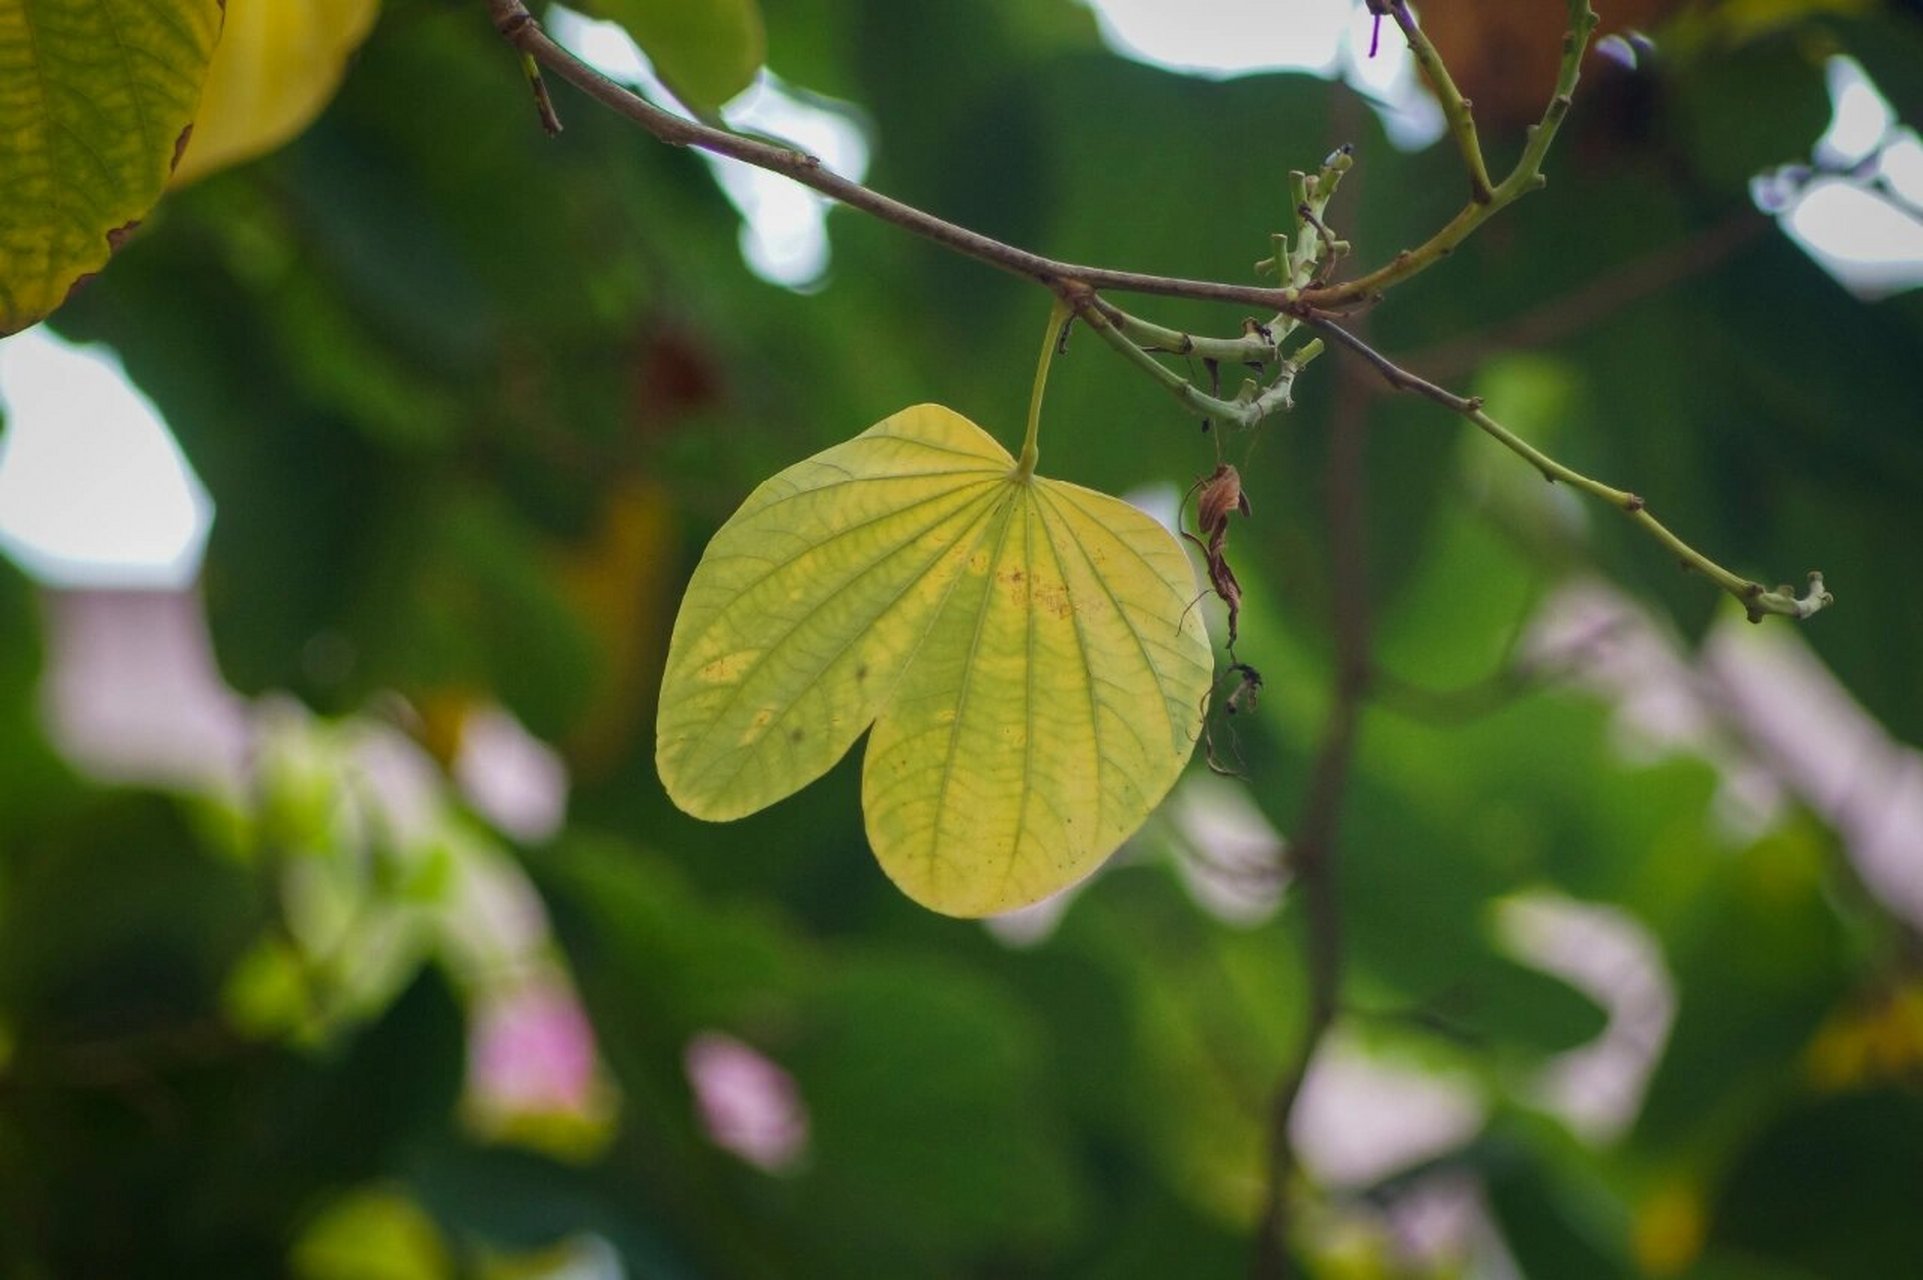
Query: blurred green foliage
[(470, 400)]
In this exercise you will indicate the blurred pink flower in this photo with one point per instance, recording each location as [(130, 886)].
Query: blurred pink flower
[(531, 1050), (747, 1103), (513, 779)]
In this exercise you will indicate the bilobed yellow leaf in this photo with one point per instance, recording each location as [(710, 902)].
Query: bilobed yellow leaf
[(1023, 648), (277, 65), (94, 98)]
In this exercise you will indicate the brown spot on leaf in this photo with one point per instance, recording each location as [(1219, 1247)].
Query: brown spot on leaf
[(121, 234), (1053, 597), (180, 147)]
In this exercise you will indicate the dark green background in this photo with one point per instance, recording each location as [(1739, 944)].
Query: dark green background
[(419, 355)]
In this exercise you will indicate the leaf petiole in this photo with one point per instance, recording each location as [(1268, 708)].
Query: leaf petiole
[(1058, 317)]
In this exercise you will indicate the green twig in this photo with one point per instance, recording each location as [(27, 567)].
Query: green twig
[(1257, 345), (1122, 331), (1298, 299), (1455, 107), (1525, 177), (1758, 601)]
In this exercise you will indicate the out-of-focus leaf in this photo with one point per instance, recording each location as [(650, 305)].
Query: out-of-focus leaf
[(527, 1207), (929, 1124), (1501, 1002), (1210, 1017), (707, 51), (1556, 1221), (1758, 958), (935, 1132), (1755, 108), (95, 99), (374, 1233), (79, 952), (1024, 648), (277, 65), (1831, 1186)]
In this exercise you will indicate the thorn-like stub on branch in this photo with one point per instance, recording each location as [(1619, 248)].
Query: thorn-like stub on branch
[(1813, 599), (1633, 503), (1473, 404)]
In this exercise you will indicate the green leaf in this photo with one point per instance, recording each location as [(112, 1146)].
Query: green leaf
[(95, 100), (706, 51), (1024, 648)]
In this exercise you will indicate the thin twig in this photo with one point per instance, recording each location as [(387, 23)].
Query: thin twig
[(1455, 107), (543, 104), (1527, 176), (517, 25), (1758, 601), (1109, 323)]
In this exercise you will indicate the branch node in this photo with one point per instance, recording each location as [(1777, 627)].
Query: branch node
[(1633, 503)]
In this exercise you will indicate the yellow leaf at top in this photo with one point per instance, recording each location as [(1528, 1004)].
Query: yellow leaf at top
[(1022, 647), (277, 66), (94, 98)]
